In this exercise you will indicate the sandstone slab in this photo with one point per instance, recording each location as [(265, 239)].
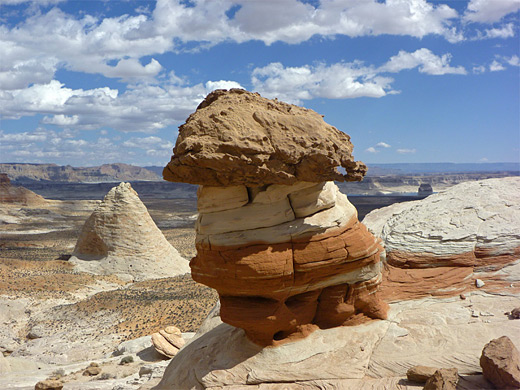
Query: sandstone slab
[(225, 357)]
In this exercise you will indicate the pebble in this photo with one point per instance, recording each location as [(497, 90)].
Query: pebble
[(479, 283)]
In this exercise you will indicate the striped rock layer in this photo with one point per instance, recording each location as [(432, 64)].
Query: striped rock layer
[(286, 259), (441, 244)]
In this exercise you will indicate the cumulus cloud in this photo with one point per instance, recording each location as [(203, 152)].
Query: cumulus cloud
[(346, 79), (33, 50), (506, 31), (336, 81), (406, 151), (490, 11), (513, 61), (142, 108), (425, 60), (371, 150), (383, 145), (479, 69), (496, 66), (63, 147)]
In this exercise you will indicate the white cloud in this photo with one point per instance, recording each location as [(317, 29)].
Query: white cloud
[(148, 143), (292, 21), (406, 151), (383, 145), (371, 150), (513, 61), (43, 144), (33, 50), (337, 81), (221, 84), (490, 11), (143, 108), (496, 66), (506, 31), (479, 69), (425, 60), (345, 80)]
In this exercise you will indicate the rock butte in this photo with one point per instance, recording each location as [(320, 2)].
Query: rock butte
[(121, 238), (277, 240)]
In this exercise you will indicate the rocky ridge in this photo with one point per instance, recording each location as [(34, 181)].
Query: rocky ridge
[(51, 172)]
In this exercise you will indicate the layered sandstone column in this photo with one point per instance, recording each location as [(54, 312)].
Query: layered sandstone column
[(275, 237)]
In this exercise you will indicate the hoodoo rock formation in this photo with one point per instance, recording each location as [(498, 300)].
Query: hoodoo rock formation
[(121, 238), (275, 237)]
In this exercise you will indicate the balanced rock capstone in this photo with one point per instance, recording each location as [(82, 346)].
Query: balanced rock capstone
[(121, 238), (275, 237)]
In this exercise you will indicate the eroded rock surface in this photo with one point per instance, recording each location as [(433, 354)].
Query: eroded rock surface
[(465, 238), (121, 238), (239, 138)]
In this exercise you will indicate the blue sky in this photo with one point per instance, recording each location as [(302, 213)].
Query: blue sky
[(92, 82)]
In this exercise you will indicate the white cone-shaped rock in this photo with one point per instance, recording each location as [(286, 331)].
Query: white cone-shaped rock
[(121, 238)]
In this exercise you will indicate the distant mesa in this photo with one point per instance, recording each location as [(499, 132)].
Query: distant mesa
[(18, 195), (240, 138), (66, 174), (121, 238)]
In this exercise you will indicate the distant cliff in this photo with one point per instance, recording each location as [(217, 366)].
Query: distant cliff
[(22, 173), (393, 184)]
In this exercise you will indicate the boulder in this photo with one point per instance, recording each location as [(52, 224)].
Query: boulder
[(472, 224), (420, 373), (49, 384), (443, 379), (500, 362), (121, 238), (168, 341), (239, 138)]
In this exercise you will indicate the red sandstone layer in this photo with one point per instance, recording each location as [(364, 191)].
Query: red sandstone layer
[(279, 291)]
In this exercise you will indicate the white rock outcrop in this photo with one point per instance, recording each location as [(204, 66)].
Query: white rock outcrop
[(121, 238), (473, 224)]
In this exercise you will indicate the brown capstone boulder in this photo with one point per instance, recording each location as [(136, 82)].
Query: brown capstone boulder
[(237, 137), (500, 362)]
